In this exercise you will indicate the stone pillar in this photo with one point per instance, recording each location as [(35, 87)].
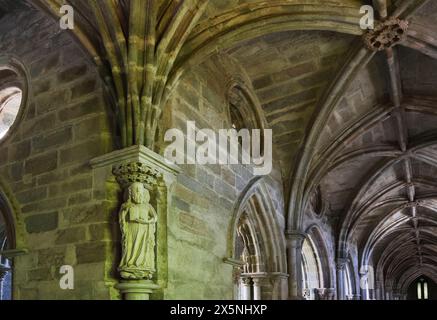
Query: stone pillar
[(246, 286), (257, 288), (341, 276), (145, 178), (279, 283), (388, 293), (378, 290), (3, 271), (295, 241)]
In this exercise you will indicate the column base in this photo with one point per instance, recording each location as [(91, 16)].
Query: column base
[(136, 289)]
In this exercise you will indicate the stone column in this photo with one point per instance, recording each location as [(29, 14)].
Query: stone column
[(341, 276), (279, 283), (3, 271), (378, 290), (388, 293), (257, 288), (145, 178), (246, 286), (295, 241)]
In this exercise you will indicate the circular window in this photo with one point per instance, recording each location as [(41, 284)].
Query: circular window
[(13, 92), (10, 102)]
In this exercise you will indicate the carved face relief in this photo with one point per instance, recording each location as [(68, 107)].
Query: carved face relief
[(137, 192)]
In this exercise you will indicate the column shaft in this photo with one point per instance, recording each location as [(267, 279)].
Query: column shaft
[(294, 259)]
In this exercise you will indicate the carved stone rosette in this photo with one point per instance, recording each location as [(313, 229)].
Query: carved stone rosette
[(386, 34)]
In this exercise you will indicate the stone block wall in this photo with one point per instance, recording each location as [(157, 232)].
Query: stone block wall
[(205, 197), (68, 211), (66, 214)]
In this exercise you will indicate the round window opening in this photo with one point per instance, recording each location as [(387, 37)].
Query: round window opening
[(10, 102)]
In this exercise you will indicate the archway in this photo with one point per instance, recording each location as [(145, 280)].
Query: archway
[(12, 240), (257, 247), (316, 267), (7, 243), (311, 270)]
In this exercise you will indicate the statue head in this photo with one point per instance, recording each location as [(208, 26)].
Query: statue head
[(138, 194)]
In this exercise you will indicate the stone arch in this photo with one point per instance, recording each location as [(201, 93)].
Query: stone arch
[(313, 232), (239, 86), (255, 222), (11, 212), (354, 276), (411, 275), (12, 240)]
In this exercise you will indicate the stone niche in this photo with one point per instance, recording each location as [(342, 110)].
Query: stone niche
[(145, 180)]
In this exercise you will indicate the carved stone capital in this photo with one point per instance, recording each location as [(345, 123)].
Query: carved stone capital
[(129, 173), (246, 281), (341, 264), (295, 238), (386, 34)]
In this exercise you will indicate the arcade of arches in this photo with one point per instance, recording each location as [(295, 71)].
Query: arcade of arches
[(349, 210)]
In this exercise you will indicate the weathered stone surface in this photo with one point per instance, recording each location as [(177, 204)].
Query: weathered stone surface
[(72, 235), (91, 252), (65, 111), (80, 109), (325, 168), (41, 164), (42, 222), (72, 73), (20, 151), (54, 139)]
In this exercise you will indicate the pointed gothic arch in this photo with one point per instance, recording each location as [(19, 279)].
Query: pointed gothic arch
[(257, 245), (12, 240)]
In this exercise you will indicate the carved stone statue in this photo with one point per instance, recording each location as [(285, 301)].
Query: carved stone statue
[(138, 226)]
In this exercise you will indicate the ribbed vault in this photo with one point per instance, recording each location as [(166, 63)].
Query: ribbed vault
[(355, 124)]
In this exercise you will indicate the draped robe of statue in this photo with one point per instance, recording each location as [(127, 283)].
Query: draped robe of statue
[(138, 225)]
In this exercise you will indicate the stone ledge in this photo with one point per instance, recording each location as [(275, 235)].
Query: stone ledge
[(137, 153)]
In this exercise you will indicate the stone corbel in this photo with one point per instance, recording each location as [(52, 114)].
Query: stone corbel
[(146, 180)]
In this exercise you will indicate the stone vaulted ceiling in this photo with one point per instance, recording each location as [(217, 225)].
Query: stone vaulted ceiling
[(10, 5), (358, 124)]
